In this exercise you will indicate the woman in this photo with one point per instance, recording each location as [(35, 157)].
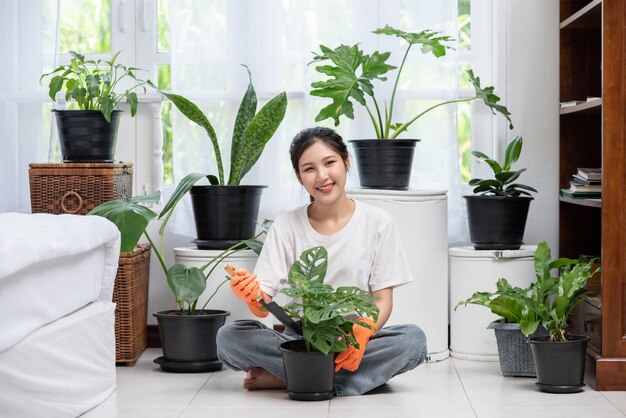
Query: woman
[(364, 250)]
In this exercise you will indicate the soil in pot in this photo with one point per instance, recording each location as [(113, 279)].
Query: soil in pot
[(309, 374), (188, 342), (560, 365)]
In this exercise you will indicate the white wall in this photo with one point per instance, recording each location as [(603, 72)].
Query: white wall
[(531, 69)]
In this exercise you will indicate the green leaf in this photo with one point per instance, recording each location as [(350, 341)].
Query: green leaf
[(246, 112), (129, 216), (488, 98), (495, 166), (260, 130), (194, 114), (429, 40), (542, 260), (312, 264), (56, 84), (187, 283), (107, 106), (131, 99), (183, 187), (512, 152)]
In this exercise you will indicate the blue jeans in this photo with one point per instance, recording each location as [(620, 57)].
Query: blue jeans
[(244, 344)]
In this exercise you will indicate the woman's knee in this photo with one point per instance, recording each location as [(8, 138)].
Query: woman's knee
[(235, 331), (416, 340)]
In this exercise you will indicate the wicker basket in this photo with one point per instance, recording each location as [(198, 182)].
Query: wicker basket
[(131, 297), (77, 188)]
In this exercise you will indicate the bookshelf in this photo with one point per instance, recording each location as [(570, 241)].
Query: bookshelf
[(593, 134)]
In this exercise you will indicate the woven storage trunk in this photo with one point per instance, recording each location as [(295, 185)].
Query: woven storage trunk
[(77, 188), (516, 357), (131, 297)]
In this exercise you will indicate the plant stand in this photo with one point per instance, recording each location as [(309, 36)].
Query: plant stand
[(130, 296)]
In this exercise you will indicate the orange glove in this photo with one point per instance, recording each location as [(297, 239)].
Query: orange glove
[(245, 286), (350, 359)]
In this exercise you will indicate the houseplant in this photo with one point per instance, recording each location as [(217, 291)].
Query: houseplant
[(498, 209), (90, 133), (559, 357), (225, 212), (187, 334), (382, 164), (321, 310)]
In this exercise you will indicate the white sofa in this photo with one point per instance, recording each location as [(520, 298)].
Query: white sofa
[(57, 340)]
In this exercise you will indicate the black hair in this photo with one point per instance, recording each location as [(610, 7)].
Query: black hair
[(309, 136)]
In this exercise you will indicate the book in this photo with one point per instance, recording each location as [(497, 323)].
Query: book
[(585, 187), (584, 195), (590, 173), (579, 180), (571, 103)]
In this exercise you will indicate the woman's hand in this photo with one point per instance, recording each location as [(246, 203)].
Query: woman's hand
[(350, 359), (247, 288)]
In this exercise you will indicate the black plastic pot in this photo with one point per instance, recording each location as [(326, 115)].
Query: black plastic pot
[(225, 215), (309, 374), (189, 341), (86, 136), (497, 222), (384, 163), (560, 365)]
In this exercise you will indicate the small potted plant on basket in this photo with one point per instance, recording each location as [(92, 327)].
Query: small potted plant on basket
[(225, 211), (90, 133), (325, 317), (498, 209), (188, 333), (382, 164)]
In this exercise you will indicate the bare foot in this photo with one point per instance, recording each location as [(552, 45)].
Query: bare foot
[(258, 378)]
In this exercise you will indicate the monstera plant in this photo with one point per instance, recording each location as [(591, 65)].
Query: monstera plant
[(225, 212)]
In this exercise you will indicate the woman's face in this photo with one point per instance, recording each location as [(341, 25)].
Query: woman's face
[(322, 172)]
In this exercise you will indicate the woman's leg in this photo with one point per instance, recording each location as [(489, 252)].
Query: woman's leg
[(392, 350), (248, 344)]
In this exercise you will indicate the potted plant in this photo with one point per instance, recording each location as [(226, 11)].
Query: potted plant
[(559, 357), (382, 164), (497, 211), (90, 133), (188, 333), (321, 310), (225, 211), (507, 302)]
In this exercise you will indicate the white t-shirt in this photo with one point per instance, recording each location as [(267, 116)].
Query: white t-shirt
[(367, 252)]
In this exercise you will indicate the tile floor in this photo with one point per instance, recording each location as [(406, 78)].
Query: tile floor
[(449, 388)]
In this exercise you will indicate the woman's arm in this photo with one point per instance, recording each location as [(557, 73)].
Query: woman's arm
[(384, 301)]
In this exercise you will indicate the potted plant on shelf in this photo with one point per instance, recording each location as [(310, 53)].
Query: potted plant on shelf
[(90, 133), (225, 211), (321, 310), (188, 333), (497, 211), (382, 164)]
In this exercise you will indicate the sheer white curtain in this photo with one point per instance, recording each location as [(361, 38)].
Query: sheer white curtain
[(210, 39), (22, 28)]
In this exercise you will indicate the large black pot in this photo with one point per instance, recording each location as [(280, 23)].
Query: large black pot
[(225, 215), (497, 222), (86, 136), (189, 341), (560, 365), (384, 163), (309, 374)]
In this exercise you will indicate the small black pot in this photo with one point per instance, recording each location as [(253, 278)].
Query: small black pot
[(309, 374), (190, 338), (497, 222), (560, 365), (86, 136), (225, 215), (384, 163)]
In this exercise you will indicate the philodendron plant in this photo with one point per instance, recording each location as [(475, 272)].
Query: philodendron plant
[(352, 73), (186, 283), (92, 83), (502, 183), (325, 313), (548, 301), (251, 133)]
